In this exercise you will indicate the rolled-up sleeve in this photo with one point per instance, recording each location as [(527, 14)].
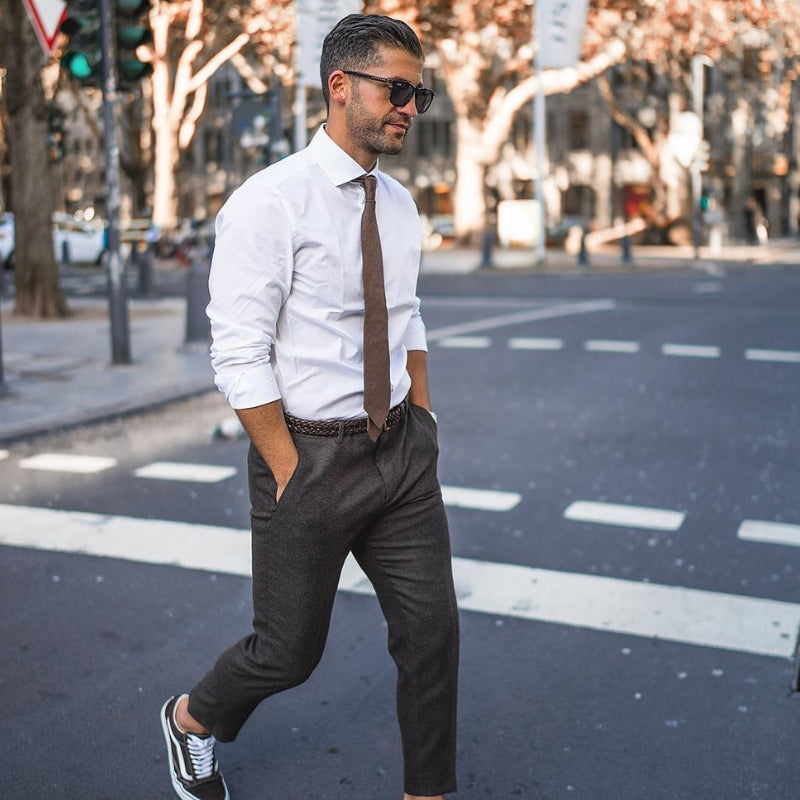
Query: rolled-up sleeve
[(415, 338), (250, 278)]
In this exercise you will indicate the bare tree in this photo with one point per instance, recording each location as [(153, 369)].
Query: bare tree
[(36, 272), (656, 74), (192, 39), (485, 54)]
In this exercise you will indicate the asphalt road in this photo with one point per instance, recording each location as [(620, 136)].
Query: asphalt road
[(619, 456)]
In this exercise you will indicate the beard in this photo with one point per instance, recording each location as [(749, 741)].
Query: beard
[(373, 133)]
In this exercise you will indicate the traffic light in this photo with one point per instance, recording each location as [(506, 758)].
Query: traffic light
[(704, 202), (133, 30), (83, 53), (55, 133)]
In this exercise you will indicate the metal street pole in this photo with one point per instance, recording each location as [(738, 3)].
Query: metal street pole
[(696, 178), (539, 123), (3, 384), (117, 290)]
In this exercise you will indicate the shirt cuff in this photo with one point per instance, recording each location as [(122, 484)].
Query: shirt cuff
[(255, 387), (415, 335)]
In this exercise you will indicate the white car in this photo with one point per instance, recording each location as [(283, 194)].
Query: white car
[(74, 240)]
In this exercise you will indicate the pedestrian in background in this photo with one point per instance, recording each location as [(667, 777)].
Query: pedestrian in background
[(322, 353)]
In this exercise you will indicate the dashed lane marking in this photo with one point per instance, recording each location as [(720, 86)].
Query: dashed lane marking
[(657, 519), (480, 499), (175, 471), (610, 346), (466, 342), (3, 454), (691, 350), (523, 343), (64, 462), (707, 287), (690, 616), (518, 317), (754, 530), (785, 356)]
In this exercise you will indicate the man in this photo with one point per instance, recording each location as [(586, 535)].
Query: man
[(328, 377)]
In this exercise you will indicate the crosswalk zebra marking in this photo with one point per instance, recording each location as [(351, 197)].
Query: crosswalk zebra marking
[(179, 471), (755, 530), (784, 356), (691, 350), (689, 616), (610, 346), (466, 342), (66, 462), (480, 499), (658, 519), (524, 343)]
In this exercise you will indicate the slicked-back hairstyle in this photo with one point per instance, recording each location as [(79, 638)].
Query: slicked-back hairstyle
[(354, 41)]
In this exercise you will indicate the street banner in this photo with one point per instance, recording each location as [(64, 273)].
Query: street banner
[(561, 36), (315, 18), (46, 16)]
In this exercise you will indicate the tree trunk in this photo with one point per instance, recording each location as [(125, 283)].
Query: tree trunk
[(469, 199), (165, 203), (36, 272)]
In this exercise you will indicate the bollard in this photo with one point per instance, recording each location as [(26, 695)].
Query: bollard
[(583, 253), (486, 250), (143, 260), (3, 385), (626, 250), (198, 328)]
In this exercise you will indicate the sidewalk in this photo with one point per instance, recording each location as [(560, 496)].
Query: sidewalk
[(59, 373), (608, 258)]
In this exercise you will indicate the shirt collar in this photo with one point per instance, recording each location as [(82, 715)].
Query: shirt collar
[(334, 162)]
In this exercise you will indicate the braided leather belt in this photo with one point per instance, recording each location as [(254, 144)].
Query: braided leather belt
[(345, 427)]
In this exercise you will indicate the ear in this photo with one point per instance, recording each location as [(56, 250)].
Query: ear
[(338, 87)]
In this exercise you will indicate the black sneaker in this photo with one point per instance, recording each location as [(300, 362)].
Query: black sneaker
[(192, 763)]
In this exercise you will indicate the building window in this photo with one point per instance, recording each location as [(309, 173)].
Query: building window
[(579, 202), (434, 138), (578, 130)]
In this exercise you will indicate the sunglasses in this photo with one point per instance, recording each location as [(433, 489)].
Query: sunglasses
[(401, 91)]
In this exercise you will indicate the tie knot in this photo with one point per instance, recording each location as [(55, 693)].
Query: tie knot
[(370, 184)]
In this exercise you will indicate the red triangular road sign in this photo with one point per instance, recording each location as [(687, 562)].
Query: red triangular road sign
[(46, 16)]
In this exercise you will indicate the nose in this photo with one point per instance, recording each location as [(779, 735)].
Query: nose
[(410, 108)]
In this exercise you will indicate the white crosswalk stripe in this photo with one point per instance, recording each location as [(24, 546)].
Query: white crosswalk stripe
[(785, 356), (523, 343), (690, 616), (754, 530), (66, 462), (480, 499), (177, 471), (658, 519), (610, 346), (691, 350), (466, 342)]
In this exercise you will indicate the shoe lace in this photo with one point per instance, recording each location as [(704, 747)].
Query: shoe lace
[(201, 752)]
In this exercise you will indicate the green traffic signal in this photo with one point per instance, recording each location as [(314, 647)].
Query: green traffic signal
[(78, 66), (133, 31), (83, 52)]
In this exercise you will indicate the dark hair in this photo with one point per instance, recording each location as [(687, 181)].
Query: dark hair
[(354, 41)]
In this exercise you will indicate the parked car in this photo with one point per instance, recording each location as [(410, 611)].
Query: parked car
[(6, 240), (74, 240)]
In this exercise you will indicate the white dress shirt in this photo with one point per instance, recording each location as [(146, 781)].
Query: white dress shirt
[(287, 302)]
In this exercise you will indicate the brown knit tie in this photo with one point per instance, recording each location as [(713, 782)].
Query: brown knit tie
[(377, 388)]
